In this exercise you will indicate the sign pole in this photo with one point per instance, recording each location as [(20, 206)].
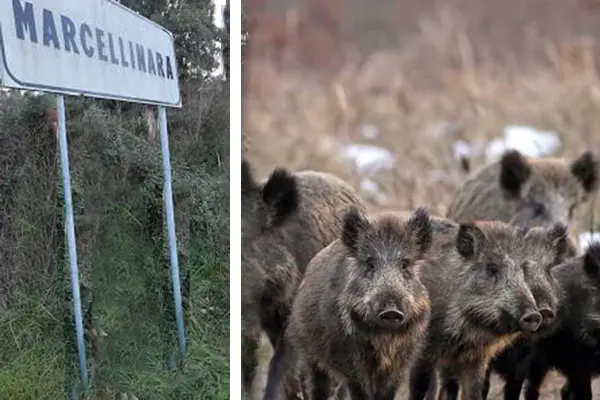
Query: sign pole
[(71, 242), (132, 59), (168, 202)]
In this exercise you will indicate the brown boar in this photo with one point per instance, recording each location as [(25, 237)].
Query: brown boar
[(361, 312), (539, 191), (480, 300), (513, 362), (286, 220), (535, 192), (532, 192)]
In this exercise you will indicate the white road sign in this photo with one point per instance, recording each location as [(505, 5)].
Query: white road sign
[(97, 48)]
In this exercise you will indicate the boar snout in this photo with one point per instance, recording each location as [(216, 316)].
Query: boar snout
[(531, 321), (547, 315), (391, 317)]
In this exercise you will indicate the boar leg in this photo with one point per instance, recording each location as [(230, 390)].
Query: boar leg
[(385, 394), (357, 392), (320, 383), (341, 392), (448, 385), (513, 386), (420, 379), (536, 374), (565, 392), (249, 361), (274, 324), (282, 381), (486, 383), (579, 386), (432, 391), (472, 382), (449, 390)]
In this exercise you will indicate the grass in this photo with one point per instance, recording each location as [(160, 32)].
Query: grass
[(32, 358), (126, 284), (117, 195)]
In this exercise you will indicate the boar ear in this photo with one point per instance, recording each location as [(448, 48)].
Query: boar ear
[(558, 235), (469, 240), (280, 194), (465, 164), (514, 171), (585, 169), (420, 226), (355, 224), (591, 260), (248, 183)]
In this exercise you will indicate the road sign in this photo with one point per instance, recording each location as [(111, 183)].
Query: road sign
[(97, 48)]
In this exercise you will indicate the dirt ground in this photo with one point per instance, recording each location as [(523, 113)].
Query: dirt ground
[(550, 389), (414, 77)]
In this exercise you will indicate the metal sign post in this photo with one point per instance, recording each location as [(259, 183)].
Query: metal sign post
[(168, 202), (71, 242), (100, 49)]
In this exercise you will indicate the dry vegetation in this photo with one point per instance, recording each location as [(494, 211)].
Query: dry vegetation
[(315, 76)]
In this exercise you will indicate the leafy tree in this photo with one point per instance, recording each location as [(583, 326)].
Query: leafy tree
[(194, 31), (225, 40)]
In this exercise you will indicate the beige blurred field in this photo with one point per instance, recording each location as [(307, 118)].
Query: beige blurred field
[(422, 74)]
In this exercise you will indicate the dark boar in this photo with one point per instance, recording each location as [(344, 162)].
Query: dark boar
[(286, 220), (481, 302), (573, 347), (361, 312)]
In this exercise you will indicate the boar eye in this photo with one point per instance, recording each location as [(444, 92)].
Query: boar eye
[(370, 262), (405, 263), (572, 211), (538, 209), (493, 269)]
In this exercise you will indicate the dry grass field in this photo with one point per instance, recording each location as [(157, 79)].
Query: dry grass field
[(414, 77)]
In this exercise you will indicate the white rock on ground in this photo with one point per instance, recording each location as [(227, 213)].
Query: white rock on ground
[(368, 159), (586, 238), (530, 141)]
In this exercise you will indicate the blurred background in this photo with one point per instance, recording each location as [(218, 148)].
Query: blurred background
[(392, 95)]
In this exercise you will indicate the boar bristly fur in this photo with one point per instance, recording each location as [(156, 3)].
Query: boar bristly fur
[(573, 346), (525, 192), (481, 300), (286, 219), (361, 312), (513, 362), (536, 191)]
